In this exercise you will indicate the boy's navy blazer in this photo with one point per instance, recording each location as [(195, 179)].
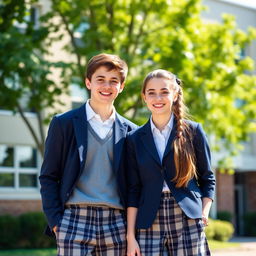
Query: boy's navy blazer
[(64, 160), (146, 174)]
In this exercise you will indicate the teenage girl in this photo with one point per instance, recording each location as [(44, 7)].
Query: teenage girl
[(170, 180)]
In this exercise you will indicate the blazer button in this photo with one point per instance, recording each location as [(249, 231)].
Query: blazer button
[(67, 194)]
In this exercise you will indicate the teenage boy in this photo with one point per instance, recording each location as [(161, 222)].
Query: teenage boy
[(82, 177)]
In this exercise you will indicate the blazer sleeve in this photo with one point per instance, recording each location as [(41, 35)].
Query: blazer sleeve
[(206, 179), (51, 173), (132, 175)]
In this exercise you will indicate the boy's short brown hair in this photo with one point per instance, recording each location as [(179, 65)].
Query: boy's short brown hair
[(109, 61)]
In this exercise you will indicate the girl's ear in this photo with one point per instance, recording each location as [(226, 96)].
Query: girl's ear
[(143, 97), (176, 95)]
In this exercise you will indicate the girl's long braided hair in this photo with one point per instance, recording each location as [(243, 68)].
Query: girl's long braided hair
[(184, 155)]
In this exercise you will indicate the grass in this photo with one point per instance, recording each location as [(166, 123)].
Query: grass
[(29, 252), (217, 245), (214, 245)]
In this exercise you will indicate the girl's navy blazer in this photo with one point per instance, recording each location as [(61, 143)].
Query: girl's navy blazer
[(146, 174), (64, 159)]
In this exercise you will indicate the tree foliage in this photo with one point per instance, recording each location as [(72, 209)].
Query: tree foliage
[(25, 75), (218, 85)]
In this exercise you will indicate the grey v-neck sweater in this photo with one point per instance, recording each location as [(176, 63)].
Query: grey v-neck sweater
[(97, 184)]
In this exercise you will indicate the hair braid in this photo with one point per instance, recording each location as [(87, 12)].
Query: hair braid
[(183, 148)]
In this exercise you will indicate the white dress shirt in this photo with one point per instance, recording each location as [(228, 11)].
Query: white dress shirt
[(161, 139), (102, 128)]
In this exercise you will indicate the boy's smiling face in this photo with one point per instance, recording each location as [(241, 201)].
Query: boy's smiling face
[(105, 85)]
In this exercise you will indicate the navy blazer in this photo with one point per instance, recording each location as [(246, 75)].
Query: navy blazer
[(64, 160), (146, 174)]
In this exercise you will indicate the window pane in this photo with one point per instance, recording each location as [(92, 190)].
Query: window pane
[(27, 157), (6, 156), (6, 179), (28, 180)]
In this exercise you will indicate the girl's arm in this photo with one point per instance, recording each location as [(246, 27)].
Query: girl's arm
[(132, 245), (207, 202)]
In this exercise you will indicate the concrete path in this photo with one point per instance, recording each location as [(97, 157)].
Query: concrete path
[(247, 248)]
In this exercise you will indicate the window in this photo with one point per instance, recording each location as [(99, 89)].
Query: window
[(18, 167)]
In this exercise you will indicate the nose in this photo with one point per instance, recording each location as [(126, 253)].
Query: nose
[(107, 84), (159, 97)]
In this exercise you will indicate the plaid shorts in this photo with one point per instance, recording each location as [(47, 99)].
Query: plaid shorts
[(173, 233), (91, 230)]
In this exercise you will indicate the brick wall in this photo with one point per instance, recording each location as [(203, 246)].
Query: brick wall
[(17, 207), (225, 192), (250, 186)]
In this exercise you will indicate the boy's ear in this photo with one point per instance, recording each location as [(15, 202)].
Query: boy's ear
[(88, 83), (121, 87)]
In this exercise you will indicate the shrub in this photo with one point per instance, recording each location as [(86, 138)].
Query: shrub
[(250, 224), (33, 225), (24, 231), (209, 230), (223, 230), (224, 215), (219, 230), (9, 231)]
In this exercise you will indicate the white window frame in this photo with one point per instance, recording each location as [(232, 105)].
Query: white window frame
[(17, 192)]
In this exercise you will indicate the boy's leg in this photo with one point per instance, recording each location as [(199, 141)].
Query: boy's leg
[(76, 232), (111, 239)]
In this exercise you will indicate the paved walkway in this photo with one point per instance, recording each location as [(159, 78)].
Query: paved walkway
[(247, 248)]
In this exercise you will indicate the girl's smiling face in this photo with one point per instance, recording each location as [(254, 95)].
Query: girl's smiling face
[(159, 95)]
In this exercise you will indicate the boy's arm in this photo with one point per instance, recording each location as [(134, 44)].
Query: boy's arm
[(51, 174)]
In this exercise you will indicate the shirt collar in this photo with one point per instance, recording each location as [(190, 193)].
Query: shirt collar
[(90, 113), (167, 128)]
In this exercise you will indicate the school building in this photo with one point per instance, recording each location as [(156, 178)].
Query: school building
[(20, 160)]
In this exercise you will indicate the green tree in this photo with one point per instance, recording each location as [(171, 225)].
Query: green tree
[(219, 88), (24, 72)]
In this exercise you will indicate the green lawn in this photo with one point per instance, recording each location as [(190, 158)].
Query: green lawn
[(214, 245), (29, 252)]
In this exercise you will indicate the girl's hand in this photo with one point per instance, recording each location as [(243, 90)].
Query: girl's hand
[(205, 220), (133, 248), (207, 202)]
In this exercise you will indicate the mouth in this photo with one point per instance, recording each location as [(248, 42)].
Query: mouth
[(159, 105), (105, 93)]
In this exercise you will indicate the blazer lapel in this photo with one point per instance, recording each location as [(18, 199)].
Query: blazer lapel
[(169, 146), (148, 141), (80, 128), (120, 130)]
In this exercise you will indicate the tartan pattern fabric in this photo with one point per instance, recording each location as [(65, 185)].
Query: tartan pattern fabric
[(91, 230), (173, 233)]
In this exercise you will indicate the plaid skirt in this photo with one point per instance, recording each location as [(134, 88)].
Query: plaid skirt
[(173, 233), (91, 230)]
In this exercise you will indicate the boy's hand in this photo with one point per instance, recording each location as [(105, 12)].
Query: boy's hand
[(54, 229)]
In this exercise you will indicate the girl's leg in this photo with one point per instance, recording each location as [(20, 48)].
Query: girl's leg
[(152, 241)]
